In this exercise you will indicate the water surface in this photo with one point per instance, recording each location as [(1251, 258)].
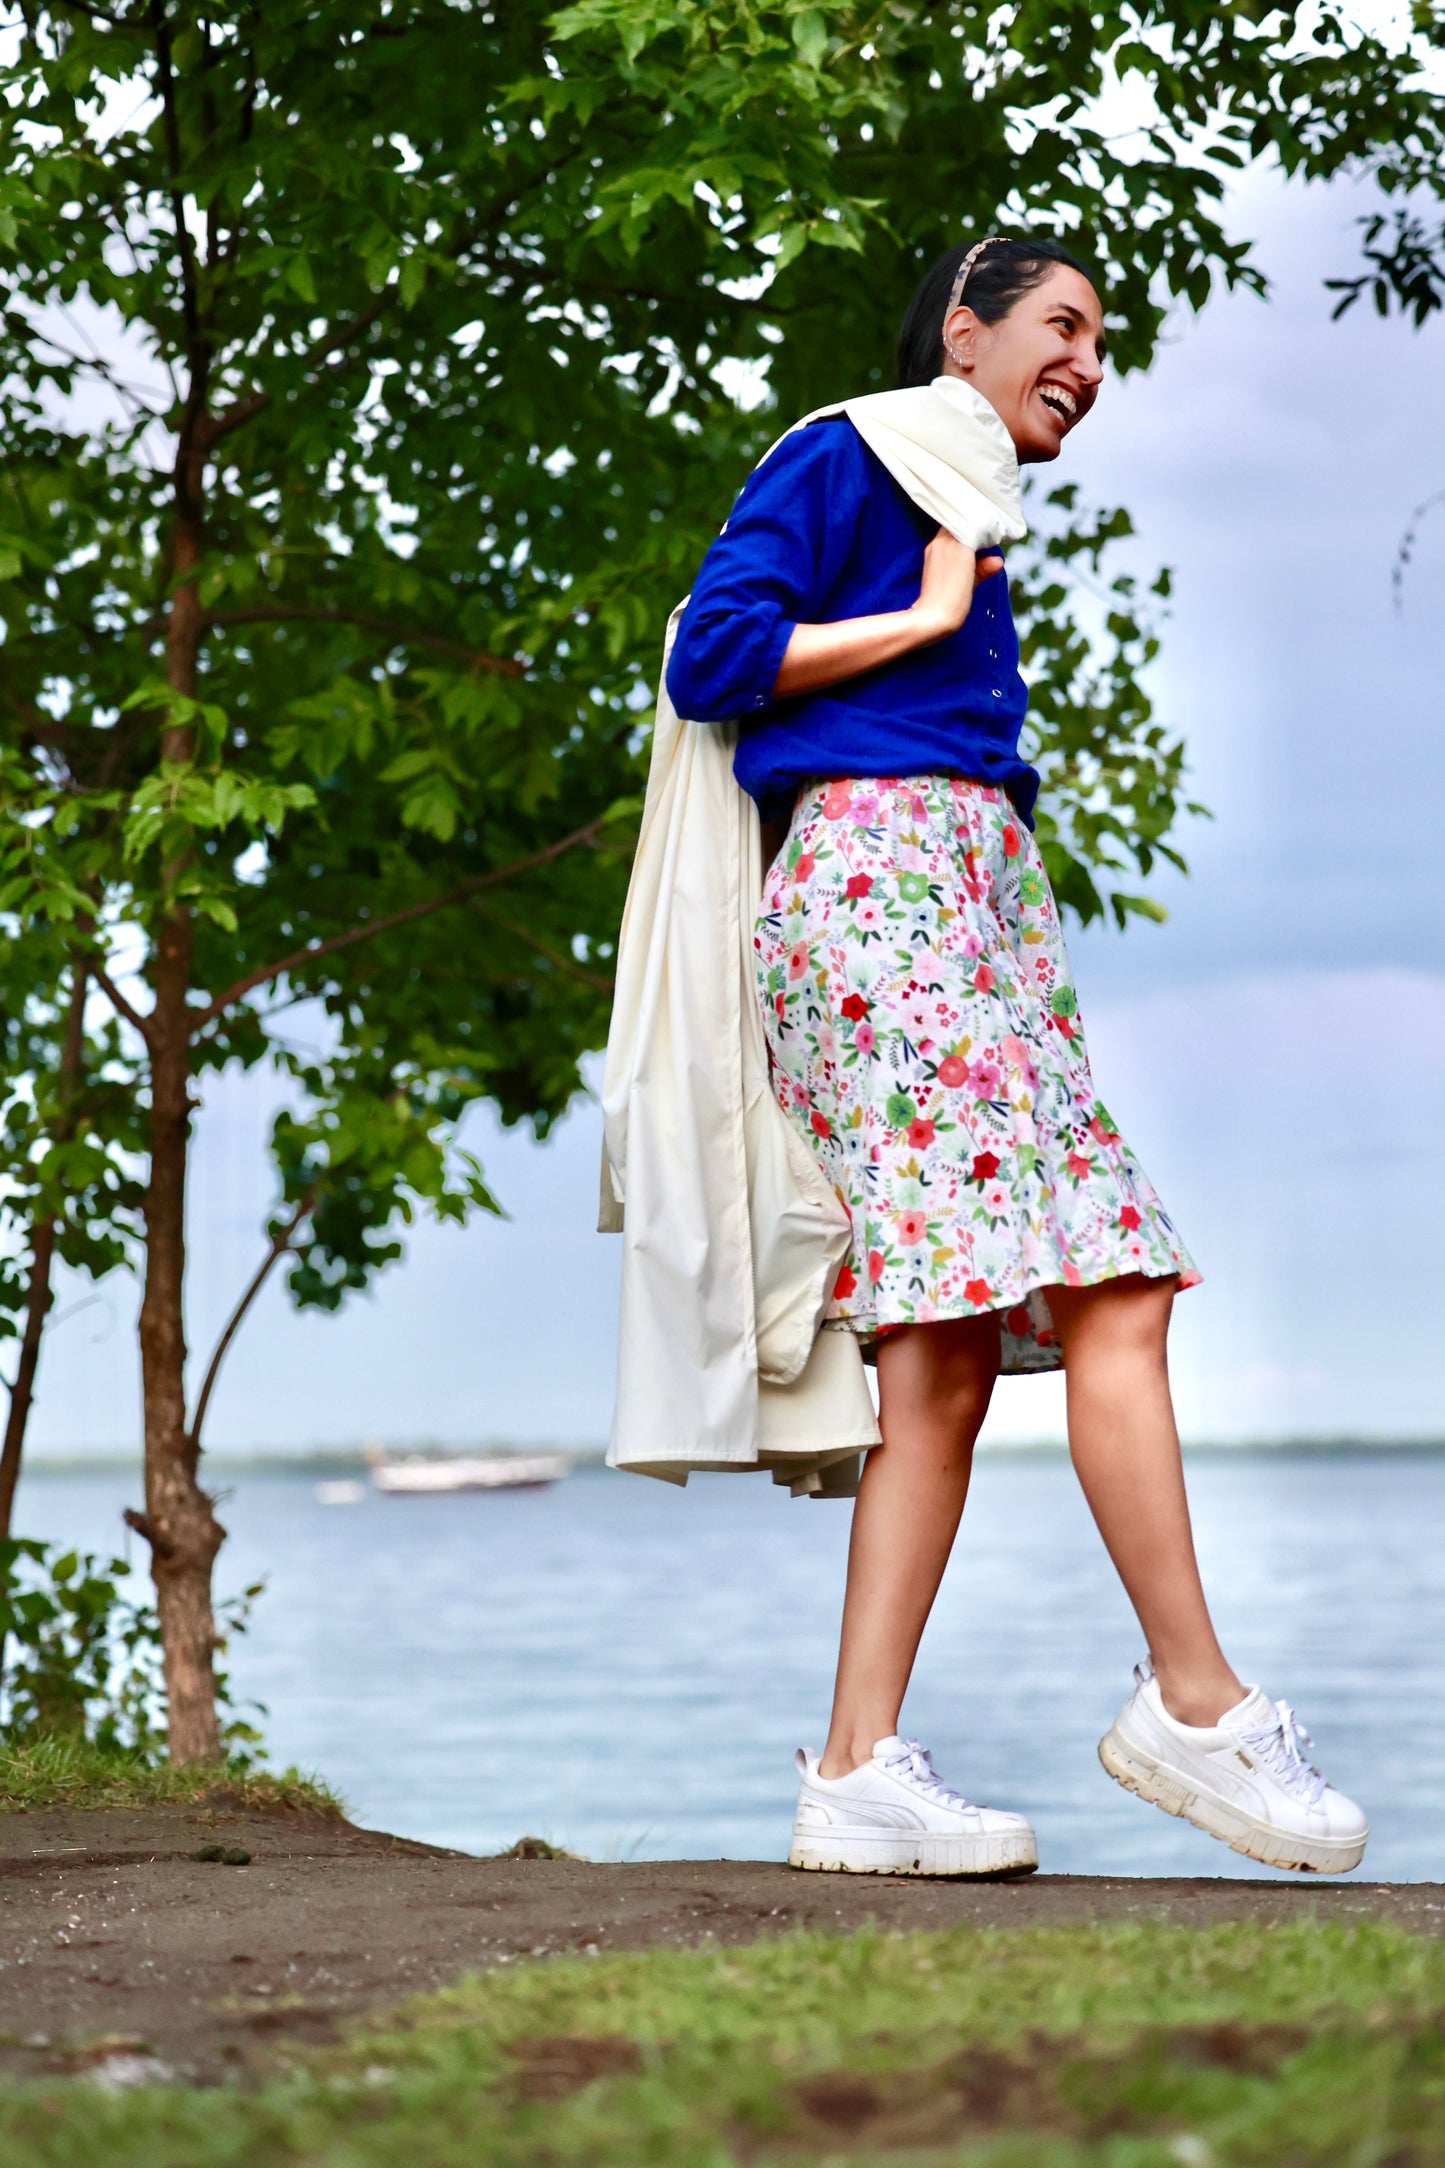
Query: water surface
[(626, 1668)]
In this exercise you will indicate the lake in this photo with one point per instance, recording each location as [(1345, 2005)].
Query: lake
[(626, 1668)]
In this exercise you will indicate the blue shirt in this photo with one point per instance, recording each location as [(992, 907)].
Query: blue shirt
[(821, 531)]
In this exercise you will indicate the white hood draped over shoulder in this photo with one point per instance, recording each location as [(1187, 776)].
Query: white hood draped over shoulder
[(732, 1235)]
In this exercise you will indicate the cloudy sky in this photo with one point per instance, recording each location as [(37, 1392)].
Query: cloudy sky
[(1275, 1053)]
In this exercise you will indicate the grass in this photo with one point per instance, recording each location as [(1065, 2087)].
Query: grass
[(1310, 2045), (61, 1772)]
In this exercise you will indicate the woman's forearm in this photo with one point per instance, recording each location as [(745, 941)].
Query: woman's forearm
[(818, 655)]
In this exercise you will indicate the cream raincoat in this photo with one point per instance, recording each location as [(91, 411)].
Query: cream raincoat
[(732, 1236)]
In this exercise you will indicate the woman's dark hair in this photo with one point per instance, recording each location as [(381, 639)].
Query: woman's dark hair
[(1003, 272)]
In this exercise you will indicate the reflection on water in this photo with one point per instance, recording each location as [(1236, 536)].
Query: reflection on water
[(626, 1668)]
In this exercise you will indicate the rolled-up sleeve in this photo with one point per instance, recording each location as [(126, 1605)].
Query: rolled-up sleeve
[(766, 572)]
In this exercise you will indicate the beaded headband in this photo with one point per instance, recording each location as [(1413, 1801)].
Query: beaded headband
[(966, 266)]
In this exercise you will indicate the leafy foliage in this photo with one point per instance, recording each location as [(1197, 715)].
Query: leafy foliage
[(67, 1148), (1405, 259), (82, 1660), (1113, 777), (466, 370)]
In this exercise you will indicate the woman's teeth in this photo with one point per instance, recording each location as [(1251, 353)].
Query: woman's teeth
[(1062, 402)]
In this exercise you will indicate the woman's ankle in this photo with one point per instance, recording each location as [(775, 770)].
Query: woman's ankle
[(847, 1751), (1198, 1698)]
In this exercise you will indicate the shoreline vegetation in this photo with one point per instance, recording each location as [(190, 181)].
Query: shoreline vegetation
[(76, 1774), (346, 1459)]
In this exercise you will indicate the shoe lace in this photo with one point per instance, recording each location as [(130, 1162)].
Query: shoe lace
[(912, 1761), (1278, 1746)]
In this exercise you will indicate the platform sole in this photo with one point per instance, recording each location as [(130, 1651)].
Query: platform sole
[(997, 1857), (1140, 1773)]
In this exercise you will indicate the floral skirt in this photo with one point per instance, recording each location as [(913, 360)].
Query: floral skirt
[(924, 1035)]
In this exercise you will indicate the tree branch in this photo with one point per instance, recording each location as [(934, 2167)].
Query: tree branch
[(167, 82), (280, 1243), (117, 1000), (735, 304), (96, 14), (161, 1545), (129, 395), (280, 613), (242, 410), (366, 932), (602, 983), (38, 1295)]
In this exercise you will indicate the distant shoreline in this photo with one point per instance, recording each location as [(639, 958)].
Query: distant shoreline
[(344, 1459)]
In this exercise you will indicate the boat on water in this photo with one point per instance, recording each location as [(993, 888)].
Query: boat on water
[(419, 1474)]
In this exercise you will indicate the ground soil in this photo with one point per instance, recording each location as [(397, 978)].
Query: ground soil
[(119, 1947)]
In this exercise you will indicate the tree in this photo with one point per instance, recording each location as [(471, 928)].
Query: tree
[(422, 327), (360, 762)]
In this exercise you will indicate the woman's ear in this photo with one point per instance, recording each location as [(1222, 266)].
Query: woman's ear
[(960, 328)]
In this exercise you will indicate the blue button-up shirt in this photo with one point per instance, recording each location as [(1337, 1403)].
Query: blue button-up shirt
[(822, 532)]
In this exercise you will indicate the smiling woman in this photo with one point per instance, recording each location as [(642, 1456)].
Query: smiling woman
[(924, 1039), (1051, 356)]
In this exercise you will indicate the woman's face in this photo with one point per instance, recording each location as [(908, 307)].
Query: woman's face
[(1040, 366)]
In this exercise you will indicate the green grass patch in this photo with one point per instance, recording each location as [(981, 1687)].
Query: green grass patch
[(1311, 2045), (73, 1772)]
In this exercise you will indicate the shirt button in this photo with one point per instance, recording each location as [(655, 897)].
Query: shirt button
[(993, 654), (998, 692), (760, 700)]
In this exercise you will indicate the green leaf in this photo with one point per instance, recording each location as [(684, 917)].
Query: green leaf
[(299, 278), (810, 35), (411, 278), (218, 911)]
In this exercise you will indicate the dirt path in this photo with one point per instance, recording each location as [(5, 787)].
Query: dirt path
[(116, 1943)]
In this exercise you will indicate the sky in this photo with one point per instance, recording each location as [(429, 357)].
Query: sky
[(1275, 1052)]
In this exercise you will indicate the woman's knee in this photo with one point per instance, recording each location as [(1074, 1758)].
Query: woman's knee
[(1123, 1319), (942, 1374)]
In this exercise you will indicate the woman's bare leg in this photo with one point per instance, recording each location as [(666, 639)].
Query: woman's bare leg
[(934, 1383), (1126, 1450)]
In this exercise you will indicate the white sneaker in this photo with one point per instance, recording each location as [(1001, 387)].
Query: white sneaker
[(896, 1815), (1242, 1779)]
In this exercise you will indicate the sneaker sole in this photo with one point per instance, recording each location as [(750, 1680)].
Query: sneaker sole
[(916, 1852), (1164, 1787)]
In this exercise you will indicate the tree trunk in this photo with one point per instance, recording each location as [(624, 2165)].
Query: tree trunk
[(179, 1524), (42, 1253), (182, 1530)]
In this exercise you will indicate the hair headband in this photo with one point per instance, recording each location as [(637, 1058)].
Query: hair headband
[(966, 266)]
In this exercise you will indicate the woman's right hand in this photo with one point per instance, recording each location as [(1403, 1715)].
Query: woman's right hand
[(950, 574)]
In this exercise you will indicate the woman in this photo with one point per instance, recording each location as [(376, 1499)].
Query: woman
[(924, 1036)]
